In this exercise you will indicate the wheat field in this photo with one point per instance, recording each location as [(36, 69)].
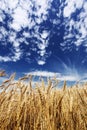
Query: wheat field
[(42, 106)]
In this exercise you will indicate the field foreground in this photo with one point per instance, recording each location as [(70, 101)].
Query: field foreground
[(42, 107)]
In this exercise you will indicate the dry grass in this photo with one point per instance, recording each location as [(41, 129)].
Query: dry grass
[(43, 107)]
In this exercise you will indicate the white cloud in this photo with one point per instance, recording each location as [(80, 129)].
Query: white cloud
[(3, 4), (26, 34), (42, 52), (71, 7), (41, 62), (26, 4), (75, 27), (22, 15), (85, 6), (68, 78), (44, 5), (43, 73), (16, 56), (2, 16), (3, 31), (5, 58), (12, 4), (12, 37), (41, 46), (67, 11), (79, 4), (44, 34)]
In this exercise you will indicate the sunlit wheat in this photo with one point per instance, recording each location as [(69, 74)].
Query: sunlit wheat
[(43, 106)]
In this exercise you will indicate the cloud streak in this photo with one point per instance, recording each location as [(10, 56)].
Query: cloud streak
[(42, 73)]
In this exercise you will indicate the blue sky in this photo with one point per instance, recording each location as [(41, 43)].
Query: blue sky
[(45, 38)]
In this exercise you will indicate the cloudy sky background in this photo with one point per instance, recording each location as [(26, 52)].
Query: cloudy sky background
[(45, 38)]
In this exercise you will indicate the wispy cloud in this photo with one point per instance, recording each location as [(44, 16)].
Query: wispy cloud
[(42, 73), (68, 78)]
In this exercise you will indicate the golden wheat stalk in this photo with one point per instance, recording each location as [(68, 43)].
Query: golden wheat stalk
[(24, 78), (49, 86), (12, 77), (64, 86), (71, 104)]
